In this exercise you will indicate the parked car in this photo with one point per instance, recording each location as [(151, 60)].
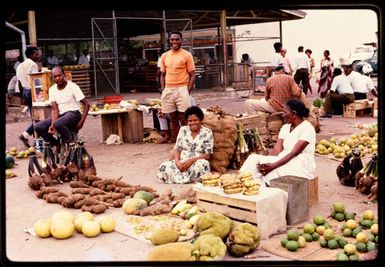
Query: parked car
[(372, 61), (360, 53)]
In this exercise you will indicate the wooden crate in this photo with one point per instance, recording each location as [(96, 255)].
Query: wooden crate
[(82, 78), (128, 125), (236, 209), (357, 108), (254, 121)]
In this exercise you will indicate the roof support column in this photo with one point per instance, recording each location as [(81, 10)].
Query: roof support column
[(163, 32), (32, 28), (280, 31), (224, 46)]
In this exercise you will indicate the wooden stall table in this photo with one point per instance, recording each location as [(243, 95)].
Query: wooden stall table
[(126, 123), (41, 110), (267, 209)]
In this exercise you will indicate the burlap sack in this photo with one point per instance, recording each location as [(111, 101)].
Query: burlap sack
[(225, 136), (313, 117)]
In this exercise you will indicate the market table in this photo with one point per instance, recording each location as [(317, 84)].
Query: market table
[(127, 123), (267, 209)]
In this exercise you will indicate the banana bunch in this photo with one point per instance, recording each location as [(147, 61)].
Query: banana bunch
[(230, 183), (250, 187), (245, 176), (210, 179)]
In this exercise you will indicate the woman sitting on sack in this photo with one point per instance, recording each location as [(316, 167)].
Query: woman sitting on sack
[(293, 153), (193, 148)]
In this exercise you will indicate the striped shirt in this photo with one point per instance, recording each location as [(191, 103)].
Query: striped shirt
[(279, 89)]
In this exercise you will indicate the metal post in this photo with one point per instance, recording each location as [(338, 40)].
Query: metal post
[(224, 46), (115, 34), (280, 31), (22, 34), (94, 56)]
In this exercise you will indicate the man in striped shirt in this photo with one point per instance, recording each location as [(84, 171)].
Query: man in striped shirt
[(279, 89)]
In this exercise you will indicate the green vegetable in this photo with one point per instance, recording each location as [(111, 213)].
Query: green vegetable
[(9, 162), (209, 247)]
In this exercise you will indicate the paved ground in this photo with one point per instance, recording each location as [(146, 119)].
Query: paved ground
[(137, 163)]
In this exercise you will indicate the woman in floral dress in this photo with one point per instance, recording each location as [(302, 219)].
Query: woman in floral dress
[(193, 148)]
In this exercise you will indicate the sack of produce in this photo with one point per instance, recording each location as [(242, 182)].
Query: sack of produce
[(225, 136)]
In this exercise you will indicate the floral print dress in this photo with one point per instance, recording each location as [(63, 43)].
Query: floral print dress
[(190, 147)]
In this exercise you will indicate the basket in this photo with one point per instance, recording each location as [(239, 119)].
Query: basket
[(114, 99)]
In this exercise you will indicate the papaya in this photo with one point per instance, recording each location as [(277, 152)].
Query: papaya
[(147, 196), (133, 204)]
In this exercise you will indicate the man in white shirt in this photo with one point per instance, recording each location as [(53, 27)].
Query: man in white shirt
[(302, 66), (65, 98), (83, 59), (341, 93), (277, 59), (52, 61), (357, 82), (22, 73), (366, 70)]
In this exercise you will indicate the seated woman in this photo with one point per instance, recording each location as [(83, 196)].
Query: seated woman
[(293, 153), (193, 147)]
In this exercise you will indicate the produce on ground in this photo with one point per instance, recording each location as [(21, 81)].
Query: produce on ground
[(215, 223), (243, 239), (209, 247), (179, 251)]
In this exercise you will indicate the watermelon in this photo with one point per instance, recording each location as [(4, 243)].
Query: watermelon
[(9, 162)]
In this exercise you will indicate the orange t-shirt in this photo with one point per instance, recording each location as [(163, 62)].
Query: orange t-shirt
[(177, 65)]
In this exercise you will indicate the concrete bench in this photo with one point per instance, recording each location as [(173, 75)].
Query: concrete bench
[(357, 108)]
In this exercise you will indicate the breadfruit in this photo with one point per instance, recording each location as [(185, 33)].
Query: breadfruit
[(180, 251), (213, 223), (243, 239), (163, 236), (209, 247)]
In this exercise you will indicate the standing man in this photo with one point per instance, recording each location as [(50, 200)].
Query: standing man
[(302, 66), (177, 81), (83, 59), (277, 59), (65, 98), (279, 89), (26, 67)]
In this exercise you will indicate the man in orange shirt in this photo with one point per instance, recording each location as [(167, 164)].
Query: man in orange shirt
[(279, 89), (177, 81)]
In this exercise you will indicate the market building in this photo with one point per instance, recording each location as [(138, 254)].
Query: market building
[(116, 49)]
